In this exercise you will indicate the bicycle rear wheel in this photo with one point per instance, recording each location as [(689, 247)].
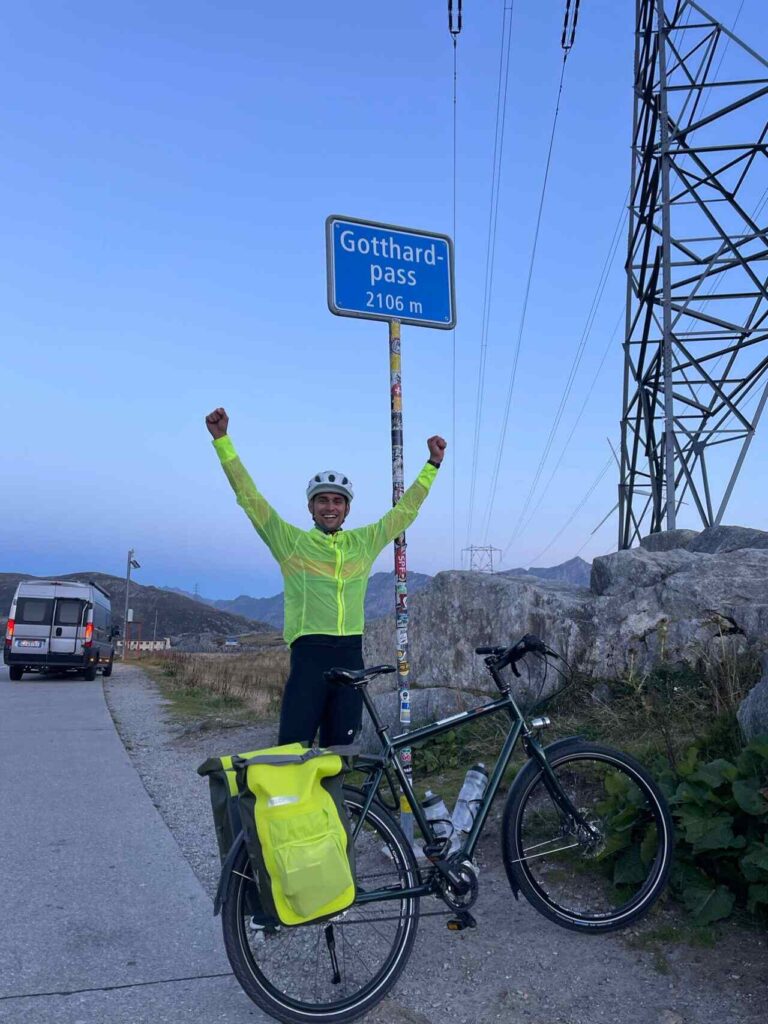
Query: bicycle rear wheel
[(595, 878), (335, 970)]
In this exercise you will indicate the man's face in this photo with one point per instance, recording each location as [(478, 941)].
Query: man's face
[(329, 511)]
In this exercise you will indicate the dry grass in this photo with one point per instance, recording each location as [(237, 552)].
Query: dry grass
[(658, 714), (214, 683)]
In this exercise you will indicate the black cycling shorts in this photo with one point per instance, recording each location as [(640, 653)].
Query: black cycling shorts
[(310, 703)]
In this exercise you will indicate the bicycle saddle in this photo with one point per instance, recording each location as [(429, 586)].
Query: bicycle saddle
[(356, 677)]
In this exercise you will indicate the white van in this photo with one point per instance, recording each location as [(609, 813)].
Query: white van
[(57, 625)]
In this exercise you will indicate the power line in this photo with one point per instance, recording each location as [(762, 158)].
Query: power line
[(454, 27), (763, 199), (490, 255), (576, 510), (747, 405), (576, 422), (567, 42), (580, 349)]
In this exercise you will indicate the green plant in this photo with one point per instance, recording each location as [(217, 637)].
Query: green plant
[(721, 811), (459, 748), (440, 753), (626, 856)]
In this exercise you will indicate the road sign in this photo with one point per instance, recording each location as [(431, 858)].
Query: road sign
[(383, 272)]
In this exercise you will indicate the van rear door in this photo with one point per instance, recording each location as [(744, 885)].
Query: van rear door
[(67, 619), (34, 616)]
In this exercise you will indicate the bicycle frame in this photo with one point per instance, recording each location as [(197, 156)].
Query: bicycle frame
[(377, 767)]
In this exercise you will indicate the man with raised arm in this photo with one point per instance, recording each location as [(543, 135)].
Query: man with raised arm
[(325, 571)]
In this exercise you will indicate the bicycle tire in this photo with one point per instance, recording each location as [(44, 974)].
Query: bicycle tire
[(598, 880), (286, 970)]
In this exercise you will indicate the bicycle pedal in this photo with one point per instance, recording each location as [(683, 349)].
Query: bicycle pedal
[(462, 920)]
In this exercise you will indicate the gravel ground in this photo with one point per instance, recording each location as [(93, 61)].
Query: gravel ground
[(515, 966)]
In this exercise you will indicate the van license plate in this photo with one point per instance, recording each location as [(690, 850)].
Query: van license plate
[(29, 643)]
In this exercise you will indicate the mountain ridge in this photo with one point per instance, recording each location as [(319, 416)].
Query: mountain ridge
[(157, 611), (379, 600)]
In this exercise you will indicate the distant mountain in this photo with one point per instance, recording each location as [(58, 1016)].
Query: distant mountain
[(154, 608), (180, 612), (187, 593), (379, 600), (262, 609), (575, 570)]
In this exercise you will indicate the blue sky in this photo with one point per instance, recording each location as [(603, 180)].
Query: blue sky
[(168, 169)]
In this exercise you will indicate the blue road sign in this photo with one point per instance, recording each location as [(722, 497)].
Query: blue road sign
[(384, 272)]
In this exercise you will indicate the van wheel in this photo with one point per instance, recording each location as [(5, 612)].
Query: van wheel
[(107, 670), (90, 673), (16, 672)]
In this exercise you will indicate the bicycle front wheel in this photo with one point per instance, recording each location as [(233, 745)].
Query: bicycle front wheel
[(598, 873), (335, 970)]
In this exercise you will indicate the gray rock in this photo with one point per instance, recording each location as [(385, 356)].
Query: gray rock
[(676, 606), (668, 540), (601, 694), (575, 570), (719, 539), (644, 608), (753, 713), (635, 568), (462, 610)]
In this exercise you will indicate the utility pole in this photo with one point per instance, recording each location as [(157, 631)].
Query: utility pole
[(131, 564)]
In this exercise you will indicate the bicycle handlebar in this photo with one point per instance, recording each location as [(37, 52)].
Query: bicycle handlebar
[(528, 644), (500, 658)]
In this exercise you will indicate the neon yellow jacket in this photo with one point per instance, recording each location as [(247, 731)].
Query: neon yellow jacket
[(325, 574)]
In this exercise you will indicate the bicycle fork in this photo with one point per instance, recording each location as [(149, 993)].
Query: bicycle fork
[(568, 811)]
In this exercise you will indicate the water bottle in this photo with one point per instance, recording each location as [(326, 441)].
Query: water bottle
[(438, 816), (471, 794)]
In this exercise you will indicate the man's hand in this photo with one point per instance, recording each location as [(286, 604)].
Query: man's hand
[(217, 423), (436, 447)]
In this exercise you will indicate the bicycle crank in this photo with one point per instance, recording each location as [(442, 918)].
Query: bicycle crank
[(457, 885)]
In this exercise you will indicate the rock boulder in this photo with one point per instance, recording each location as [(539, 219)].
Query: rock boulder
[(668, 540), (720, 539), (643, 607), (753, 713), (463, 610)]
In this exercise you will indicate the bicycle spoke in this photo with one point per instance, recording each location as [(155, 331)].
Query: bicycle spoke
[(310, 970), (544, 853), (609, 863)]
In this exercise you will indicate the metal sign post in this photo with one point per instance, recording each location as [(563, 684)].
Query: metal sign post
[(401, 275), (401, 576)]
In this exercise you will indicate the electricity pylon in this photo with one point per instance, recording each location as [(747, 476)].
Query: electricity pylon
[(695, 349)]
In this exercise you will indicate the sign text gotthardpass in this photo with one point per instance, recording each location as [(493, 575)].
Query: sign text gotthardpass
[(384, 272)]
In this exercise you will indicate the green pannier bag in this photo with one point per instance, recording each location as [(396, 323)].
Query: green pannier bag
[(222, 780), (297, 831)]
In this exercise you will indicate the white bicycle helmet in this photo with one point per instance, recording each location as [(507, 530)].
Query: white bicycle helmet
[(330, 481)]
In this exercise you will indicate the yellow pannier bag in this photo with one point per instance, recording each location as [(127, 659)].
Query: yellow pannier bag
[(222, 780), (297, 831)]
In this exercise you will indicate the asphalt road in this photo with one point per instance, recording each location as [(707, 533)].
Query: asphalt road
[(102, 920)]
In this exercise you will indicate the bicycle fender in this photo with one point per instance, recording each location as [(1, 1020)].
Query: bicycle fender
[(529, 769), (226, 871)]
